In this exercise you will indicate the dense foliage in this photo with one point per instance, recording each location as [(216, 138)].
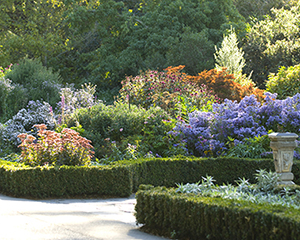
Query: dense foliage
[(272, 43), (257, 9), (285, 83), (103, 41)]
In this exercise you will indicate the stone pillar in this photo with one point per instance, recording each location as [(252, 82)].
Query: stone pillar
[(283, 146)]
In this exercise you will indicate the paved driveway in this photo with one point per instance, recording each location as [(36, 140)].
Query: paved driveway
[(105, 219)]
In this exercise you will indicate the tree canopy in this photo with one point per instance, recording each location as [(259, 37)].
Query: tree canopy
[(102, 41)]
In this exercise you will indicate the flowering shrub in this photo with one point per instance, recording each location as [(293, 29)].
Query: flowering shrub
[(35, 113), (207, 133), (65, 148), (164, 89)]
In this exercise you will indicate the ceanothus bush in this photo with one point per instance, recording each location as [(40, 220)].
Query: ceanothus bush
[(208, 133)]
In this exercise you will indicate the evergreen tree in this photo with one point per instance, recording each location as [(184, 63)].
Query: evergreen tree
[(230, 55)]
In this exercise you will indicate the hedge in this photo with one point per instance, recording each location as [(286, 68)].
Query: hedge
[(190, 216), (169, 171), (124, 177), (43, 182)]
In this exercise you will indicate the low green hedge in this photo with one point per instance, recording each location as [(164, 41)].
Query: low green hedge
[(43, 182), (188, 216), (168, 171), (124, 177)]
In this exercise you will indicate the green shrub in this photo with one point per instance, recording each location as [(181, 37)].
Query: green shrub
[(41, 82), (9, 103), (5, 89), (286, 83), (256, 147), (123, 124), (169, 171), (16, 103)]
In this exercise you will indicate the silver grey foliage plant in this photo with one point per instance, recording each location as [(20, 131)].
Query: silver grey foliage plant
[(262, 192), (72, 99)]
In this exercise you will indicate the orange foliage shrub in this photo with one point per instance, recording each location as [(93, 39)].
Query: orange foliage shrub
[(220, 82), (242, 91)]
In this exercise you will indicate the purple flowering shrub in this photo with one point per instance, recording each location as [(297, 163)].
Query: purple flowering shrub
[(166, 90), (208, 133)]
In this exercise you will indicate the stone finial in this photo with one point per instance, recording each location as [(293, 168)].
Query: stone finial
[(283, 146)]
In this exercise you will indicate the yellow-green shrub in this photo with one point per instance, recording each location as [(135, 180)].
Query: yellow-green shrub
[(285, 83)]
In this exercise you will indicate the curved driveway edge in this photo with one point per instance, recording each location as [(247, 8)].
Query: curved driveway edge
[(69, 219)]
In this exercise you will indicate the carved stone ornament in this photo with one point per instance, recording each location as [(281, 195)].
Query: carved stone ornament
[(283, 146)]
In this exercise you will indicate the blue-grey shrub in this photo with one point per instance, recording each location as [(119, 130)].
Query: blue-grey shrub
[(23, 122)]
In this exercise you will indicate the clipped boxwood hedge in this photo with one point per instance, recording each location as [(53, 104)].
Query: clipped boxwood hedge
[(124, 177), (169, 171), (43, 182), (188, 216)]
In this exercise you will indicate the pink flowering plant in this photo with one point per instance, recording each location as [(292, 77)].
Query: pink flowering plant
[(166, 90), (52, 148), (4, 71)]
